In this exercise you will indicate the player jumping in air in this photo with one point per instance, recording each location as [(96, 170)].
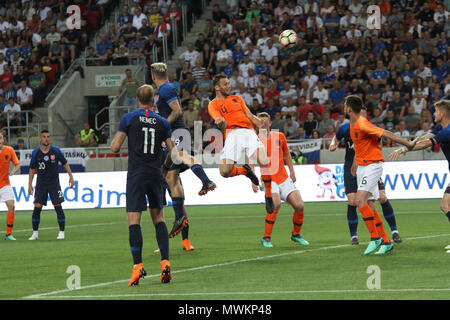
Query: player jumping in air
[(45, 161), (7, 155), (440, 135), (169, 107), (230, 112), (368, 168), (146, 131), (351, 186), (283, 187)]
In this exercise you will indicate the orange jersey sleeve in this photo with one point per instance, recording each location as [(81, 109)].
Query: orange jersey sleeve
[(365, 142), (7, 155), (276, 145), (232, 109)]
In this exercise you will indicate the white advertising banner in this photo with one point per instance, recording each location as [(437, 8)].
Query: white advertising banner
[(403, 180)]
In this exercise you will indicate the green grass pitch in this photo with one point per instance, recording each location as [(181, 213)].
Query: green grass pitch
[(229, 261)]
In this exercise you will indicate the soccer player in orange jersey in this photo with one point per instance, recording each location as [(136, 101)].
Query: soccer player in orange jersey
[(230, 113), (368, 168), (7, 155), (283, 187)]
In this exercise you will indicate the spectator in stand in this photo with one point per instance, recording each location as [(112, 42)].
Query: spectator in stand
[(310, 124), (398, 105), (9, 92), (390, 121), (412, 120), (278, 122), (86, 137), (37, 84), (272, 108), (6, 77), (402, 131), (424, 129), (190, 55), (12, 115), (154, 16), (124, 17), (25, 96), (303, 109), (3, 104), (325, 123), (337, 95), (291, 128), (287, 92), (130, 84)]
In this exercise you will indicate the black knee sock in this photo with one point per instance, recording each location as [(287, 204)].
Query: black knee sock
[(36, 218), (162, 237), (200, 173), (136, 243), (185, 232), (448, 215), (177, 204), (389, 215), (352, 219), (61, 217)]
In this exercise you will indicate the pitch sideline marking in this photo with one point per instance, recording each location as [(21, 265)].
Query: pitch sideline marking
[(247, 293), (41, 295), (203, 218)]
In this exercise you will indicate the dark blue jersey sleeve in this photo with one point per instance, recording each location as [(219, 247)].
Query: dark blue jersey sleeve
[(60, 156), (342, 131), (168, 93), (443, 135), (125, 123), (33, 162), (437, 128)]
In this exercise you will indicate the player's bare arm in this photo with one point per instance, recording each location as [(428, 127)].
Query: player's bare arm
[(116, 144), (254, 119), (288, 160), (31, 174), (420, 145), (69, 171), (15, 169), (176, 111), (391, 136), (333, 144)]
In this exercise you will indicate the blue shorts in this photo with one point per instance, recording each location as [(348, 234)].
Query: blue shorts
[(350, 182), (141, 187), (42, 192)]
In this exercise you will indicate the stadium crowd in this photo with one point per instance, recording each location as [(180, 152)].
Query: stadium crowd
[(398, 70), (37, 46)]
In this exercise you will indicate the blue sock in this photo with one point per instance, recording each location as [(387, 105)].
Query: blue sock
[(200, 173), (36, 218), (61, 217), (177, 204), (389, 215), (352, 218), (136, 243), (162, 237)]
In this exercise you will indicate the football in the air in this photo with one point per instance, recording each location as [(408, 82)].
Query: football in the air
[(288, 38)]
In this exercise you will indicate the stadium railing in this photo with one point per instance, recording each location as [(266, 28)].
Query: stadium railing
[(30, 129)]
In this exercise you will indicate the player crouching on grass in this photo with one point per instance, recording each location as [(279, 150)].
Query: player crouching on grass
[(283, 187), (440, 135), (368, 168), (7, 155)]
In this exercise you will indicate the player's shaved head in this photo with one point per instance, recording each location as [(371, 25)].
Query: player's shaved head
[(355, 103), (159, 70), (145, 95)]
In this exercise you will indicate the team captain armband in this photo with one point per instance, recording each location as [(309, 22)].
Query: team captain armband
[(433, 142)]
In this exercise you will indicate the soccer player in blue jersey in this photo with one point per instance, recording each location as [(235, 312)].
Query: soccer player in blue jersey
[(45, 161), (146, 131), (441, 136), (169, 107), (351, 187)]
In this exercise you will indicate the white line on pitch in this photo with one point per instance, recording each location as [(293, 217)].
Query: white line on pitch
[(218, 265), (71, 226), (248, 293)]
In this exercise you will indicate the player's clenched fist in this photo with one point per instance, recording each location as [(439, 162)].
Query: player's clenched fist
[(221, 123), (30, 190)]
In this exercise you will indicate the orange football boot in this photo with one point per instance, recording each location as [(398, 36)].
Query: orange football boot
[(187, 245), (138, 273), (166, 275)]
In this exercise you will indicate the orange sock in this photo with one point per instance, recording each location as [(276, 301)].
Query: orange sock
[(368, 217), (267, 179), (237, 171), (380, 227), (298, 221), (270, 221), (9, 222)]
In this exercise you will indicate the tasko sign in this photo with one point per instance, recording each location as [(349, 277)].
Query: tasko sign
[(403, 180)]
